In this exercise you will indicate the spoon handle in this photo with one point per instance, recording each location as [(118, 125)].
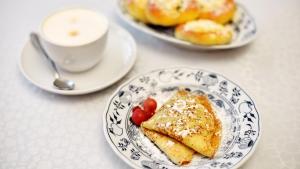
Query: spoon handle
[(34, 38)]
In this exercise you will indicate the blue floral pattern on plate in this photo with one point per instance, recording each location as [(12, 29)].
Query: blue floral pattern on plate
[(236, 110)]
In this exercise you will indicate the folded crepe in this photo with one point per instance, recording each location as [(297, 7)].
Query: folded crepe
[(175, 151), (189, 119)]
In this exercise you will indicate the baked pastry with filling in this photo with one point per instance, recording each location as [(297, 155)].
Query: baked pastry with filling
[(220, 11), (136, 8), (204, 32), (171, 12), (189, 119)]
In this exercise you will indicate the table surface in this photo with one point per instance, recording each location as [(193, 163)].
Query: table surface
[(40, 130)]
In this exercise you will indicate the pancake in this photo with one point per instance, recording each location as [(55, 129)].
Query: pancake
[(175, 151), (189, 119)]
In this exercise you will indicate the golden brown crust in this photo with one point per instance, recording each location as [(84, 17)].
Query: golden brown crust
[(171, 12), (204, 32), (175, 151), (174, 12), (136, 8), (216, 137), (220, 11)]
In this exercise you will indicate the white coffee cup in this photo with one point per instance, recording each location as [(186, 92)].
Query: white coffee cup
[(75, 38)]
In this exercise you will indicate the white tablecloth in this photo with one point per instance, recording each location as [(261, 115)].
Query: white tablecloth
[(40, 130)]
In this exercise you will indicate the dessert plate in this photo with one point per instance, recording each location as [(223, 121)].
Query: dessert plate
[(114, 65), (243, 25), (236, 110)]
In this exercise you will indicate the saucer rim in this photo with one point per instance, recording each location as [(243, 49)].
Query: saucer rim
[(95, 88)]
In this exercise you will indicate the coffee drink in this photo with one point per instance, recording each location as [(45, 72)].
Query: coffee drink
[(75, 38), (74, 27)]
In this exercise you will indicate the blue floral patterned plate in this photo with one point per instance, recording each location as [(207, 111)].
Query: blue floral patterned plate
[(236, 110)]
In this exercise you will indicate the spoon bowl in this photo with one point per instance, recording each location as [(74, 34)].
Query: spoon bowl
[(62, 84)]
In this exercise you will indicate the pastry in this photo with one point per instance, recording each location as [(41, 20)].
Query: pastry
[(171, 12), (204, 32), (220, 11), (136, 8), (189, 119), (175, 151)]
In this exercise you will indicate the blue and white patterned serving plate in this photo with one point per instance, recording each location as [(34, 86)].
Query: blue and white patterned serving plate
[(236, 110), (243, 25)]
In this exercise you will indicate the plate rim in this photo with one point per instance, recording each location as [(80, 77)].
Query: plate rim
[(91, 89), (128, 162), (140, 27)]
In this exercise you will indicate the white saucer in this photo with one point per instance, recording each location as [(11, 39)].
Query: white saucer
[(120, 56)]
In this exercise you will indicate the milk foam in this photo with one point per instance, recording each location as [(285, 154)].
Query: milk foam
[(74, 27)]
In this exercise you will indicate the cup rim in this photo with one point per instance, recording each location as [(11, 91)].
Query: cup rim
[(44, 37)]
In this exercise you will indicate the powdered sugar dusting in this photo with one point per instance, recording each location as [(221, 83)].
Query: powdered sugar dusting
[(183, 133), (169, 143), (225, 133), (168, 124), (222, 113)]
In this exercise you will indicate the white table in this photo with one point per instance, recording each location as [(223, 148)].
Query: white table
[(40, 130)]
